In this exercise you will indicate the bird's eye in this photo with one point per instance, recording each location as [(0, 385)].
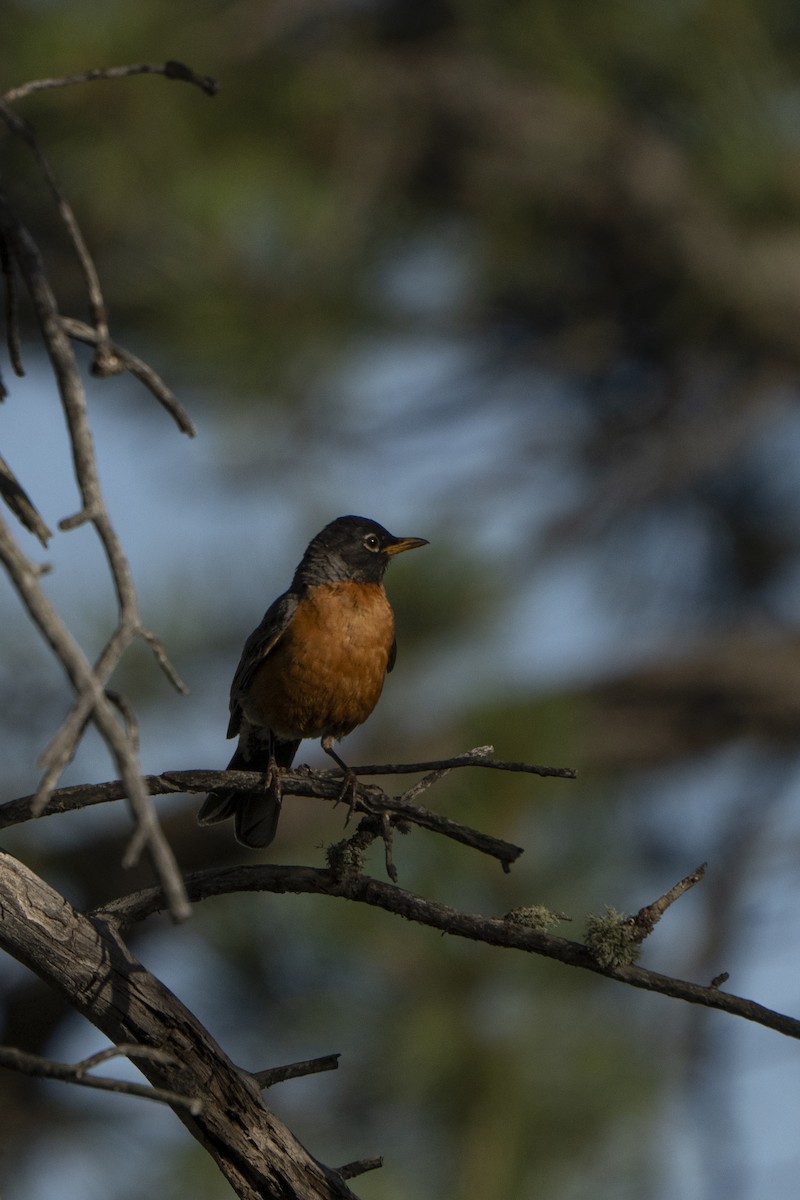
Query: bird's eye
[(371, 542)]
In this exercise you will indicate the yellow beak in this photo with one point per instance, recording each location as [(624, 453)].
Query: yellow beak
[(399, 545)]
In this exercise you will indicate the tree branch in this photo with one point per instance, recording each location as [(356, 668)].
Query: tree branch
[(26, 580), (87, 961), (494, 931), (319, 785), (20, 252), (170, 70), (479, 757), (21, 505), (48, 1068), (309, 1066), (139, 369)]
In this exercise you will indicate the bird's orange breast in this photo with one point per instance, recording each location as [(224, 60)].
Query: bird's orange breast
[(325, 674)]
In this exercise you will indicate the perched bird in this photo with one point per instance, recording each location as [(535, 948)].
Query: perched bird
[(314, 667)]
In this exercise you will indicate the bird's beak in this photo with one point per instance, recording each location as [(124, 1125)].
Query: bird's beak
[(401, 544)]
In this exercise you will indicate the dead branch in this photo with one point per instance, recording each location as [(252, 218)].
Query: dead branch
[(648, 917), (360, 1167), (11, 310), (139, 369), (493, 931), (310, 1066), (479, 757), (21, 255), (105, 363), (20, 503), (169, 69), (77, 1073), (25, 578), (369, 800), (89, 964)]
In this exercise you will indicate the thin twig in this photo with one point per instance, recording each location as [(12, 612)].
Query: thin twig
[(422, 785), (360, 1167), (125, 1050), (48, 1068), (162, 658), (170, 70), (648, 917), (310, 1066), (105, 362), (11, 309), (473, 758), (21, 505), (139, 369)]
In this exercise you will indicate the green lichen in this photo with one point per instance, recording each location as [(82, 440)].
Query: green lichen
[(535, 916), (612, 939)]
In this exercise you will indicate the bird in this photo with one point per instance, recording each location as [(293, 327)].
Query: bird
[(313, 668)]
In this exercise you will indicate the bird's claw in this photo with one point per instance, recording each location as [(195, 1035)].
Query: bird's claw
[(348, 794)]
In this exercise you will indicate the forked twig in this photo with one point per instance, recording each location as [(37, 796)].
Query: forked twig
[(77, 1073), (139, 369)]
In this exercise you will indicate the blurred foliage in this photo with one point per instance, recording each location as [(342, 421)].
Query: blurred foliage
[(577, 223)]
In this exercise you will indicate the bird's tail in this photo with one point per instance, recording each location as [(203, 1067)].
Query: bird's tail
[(255, 812)]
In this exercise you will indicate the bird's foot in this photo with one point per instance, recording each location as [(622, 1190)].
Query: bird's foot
[(273, 779), (349, 789), (348, 794)]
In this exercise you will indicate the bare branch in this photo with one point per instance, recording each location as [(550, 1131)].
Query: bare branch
[(648, 917), (317, 785), (360, 1167), (90, 701), (310, 1066), (48, 1068), (478, 757), (20, 503), (11, 309), (494, 931), (83, 679), (105, 363), (170, 70), (139, 369), (160, 654), (91, 966)]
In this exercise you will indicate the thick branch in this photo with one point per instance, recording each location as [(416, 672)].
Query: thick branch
[(491, 930), (90, 965)]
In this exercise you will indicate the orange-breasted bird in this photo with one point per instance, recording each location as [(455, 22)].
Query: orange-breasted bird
[(314, 667)]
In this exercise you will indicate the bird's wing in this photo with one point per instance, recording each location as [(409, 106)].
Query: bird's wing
[(262, 640)]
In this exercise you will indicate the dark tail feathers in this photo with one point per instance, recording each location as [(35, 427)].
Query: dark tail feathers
[(256, 812)]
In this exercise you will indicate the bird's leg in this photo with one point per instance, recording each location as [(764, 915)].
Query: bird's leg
[(273, 777), (350, 782)]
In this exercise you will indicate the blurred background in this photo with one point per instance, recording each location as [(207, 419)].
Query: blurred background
[(522, 279)]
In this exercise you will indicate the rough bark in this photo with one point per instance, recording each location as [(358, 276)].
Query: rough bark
[(88, 962)]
